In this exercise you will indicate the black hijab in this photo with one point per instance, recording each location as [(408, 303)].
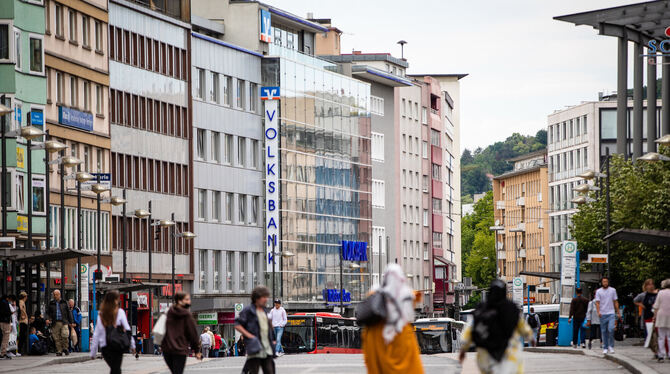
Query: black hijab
[(495, 321)]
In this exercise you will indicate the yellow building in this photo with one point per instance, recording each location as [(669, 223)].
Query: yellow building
[(521, 204)]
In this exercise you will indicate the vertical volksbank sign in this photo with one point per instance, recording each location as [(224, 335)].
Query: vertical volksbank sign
[(270, 96)]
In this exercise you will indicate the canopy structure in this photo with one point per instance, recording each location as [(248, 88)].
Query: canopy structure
[(39, 257), (128, 287), (584, 276), (653, 237)]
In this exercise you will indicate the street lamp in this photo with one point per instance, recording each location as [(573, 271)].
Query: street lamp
[(80, 177), (585, 187), (170, 223), (664, 140), (653, 156), (516, 250), (30, 133), (3, 202)]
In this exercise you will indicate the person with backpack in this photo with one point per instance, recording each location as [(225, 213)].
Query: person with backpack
[(181, 336), (496, 332), (578, 307), (533, 320), (112, 333)]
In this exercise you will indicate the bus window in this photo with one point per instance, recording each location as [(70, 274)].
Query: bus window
[(299, 335)]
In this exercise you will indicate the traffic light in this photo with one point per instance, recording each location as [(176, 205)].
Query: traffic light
[(97, 274)]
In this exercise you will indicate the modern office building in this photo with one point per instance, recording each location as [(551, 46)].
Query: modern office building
[(150, 116), (77, 114), (228, 186), (521, 209)]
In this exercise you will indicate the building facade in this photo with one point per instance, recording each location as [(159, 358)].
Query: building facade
[(521, 212)]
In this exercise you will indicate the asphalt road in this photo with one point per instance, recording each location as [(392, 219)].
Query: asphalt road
[(544, 363)]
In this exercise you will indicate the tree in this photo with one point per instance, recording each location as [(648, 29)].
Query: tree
[(478, 243), (541, 137), (640, 199)]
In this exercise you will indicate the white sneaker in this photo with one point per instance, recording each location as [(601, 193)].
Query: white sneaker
[(18, 354), (604, 351), (611, 350), (10, 354)]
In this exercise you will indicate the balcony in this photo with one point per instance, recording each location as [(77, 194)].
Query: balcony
[(522, 253), (500, 205), (521, 201)]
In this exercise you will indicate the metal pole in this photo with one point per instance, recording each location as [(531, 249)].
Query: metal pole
[(341, 279), (607, 197), (380, 260), (444, 291), (516, 257), (151, 241), (172, 244), (3, 184), (274, 244), (637, 100), (665, 96), (651, 103), (123, 238), (621, 97), (98, 231), (78, 225), (61, 224), (29, 243), (47, 192)]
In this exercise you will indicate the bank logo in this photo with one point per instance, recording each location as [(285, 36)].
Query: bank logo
[(654, 47)]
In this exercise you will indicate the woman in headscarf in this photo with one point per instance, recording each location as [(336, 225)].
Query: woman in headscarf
[(496, 332), (390, 347)]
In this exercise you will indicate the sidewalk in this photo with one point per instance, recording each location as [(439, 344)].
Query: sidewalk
[(22, 363), (628, 353)]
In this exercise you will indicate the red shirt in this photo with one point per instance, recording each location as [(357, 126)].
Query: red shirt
[(217, 341)]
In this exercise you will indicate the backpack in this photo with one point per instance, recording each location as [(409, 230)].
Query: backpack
[(117, 339), (39, 348), (532, 321)]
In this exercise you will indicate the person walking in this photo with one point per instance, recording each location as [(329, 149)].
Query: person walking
[(593, 321), (5, 326), (75, 327), (533, 320), (259, 337), (578, 307), (496, 332), (279, 320), (110, 317), (607, 305), (205, 342), (60, 319), (216, 349), (181, 336), (24, 347), (390, 346), (661, 310)]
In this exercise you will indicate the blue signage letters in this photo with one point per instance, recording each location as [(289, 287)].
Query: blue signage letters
[(354, 251), (74, 118), (333, 295)]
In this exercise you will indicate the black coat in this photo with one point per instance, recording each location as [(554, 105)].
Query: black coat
[(248, 318), (64, 311)]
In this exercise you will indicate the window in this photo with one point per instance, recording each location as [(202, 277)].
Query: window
[(243, 273), (378, 194), (230, 258), (98, 36), (377, 105), (229, 149), (59, 20), (254, 211), (404, 107), (73, 91), (216, 206), (424, 115), (230, 207), (240, 94), (85, 31), (436, 171), (100, 160), (242, 208), (200, 142), (227, 87), (87, 157), (20, 194), (199, 84), (434, 137), (254, 153), (216, 147), (214, 92), (203, 270), (202, 205), (98, 99), (241, 150), (404, 248), (87, 96), (437, 240), (424, 149), (5, 42), (426, 218), (437, 205), (426, 252), (36, 54), (217, 270), (38, 198), (17, 48), (253, 97), (378, 147), (72, 20)]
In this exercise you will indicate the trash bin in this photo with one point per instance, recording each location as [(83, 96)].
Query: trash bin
[(551, 336), (148, 345)]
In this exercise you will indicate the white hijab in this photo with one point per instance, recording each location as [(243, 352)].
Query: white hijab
[(399, 303)]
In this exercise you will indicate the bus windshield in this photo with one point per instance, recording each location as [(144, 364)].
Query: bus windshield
[(298, 334), (433, 337)]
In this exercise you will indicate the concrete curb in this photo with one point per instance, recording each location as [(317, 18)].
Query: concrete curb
[(54, 361), (632, 365)]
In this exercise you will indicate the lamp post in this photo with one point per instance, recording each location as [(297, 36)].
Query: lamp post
[(29, 133), (141, 214), (171, 224), (4, 110), (284, 254), (80, 177)]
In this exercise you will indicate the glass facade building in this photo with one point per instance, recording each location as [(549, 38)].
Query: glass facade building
[(325, 175)]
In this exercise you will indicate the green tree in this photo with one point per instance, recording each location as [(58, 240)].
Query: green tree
[(640, 199), (477, 243)]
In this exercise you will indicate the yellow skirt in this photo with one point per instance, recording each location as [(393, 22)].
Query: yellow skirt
[(401, 356)]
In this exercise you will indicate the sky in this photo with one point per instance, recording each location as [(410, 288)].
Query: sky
[(522, 64)]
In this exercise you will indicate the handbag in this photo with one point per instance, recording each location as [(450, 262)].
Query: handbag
[(159, 329), (372, 310), (117, 339)]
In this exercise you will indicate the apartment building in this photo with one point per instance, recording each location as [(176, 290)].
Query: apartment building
[(521, 208), (228, 172), (77, 114), (150, 117)]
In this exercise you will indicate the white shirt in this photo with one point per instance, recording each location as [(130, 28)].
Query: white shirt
[(99, 340), (205, 339), (606, 297), (278, 317)]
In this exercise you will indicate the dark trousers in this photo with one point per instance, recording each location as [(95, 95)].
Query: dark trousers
[(23, 339), (576, 330), (176, 363), (252, 365), (595, 333), (113, 360)]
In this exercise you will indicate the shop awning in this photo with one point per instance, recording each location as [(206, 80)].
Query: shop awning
[(42, 256), (128, 287), (584, 276), (653, 237)]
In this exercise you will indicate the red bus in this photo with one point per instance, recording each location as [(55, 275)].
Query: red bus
[(321, 333)]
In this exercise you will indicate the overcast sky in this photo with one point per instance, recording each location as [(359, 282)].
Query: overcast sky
[(522, 64)]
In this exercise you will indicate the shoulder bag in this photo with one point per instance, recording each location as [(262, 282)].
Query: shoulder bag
[(159, 329)]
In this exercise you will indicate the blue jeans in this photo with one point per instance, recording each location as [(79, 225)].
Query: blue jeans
[(279, 331), (578, 332), (607, 323)]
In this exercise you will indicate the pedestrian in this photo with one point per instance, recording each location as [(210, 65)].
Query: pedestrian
[(60, 319), (24, 347), (110, 317), (241, 351), (578, 307), (181, 336), (645, 300), (5, 326), (217, 345), (254, 325), (211, 338), (496, 332), (661, 310), (279, 319), (205, 342), (593, 321), (39, 323), (533, 320), (12, 347), (390, 346), (607, 305), (75, 327)]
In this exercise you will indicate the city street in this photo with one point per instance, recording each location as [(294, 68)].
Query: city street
[(335, 364)]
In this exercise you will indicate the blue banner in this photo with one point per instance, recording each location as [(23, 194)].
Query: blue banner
[(74, 118), (354, 251), (36, 118), (333, 295)]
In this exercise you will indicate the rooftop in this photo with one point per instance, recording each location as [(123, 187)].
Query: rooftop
[(458, 76), (357, 56)]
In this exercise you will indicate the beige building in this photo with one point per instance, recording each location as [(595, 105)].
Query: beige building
[(521, 213)]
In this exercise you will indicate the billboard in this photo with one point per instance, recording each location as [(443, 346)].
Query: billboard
[(266, 26)]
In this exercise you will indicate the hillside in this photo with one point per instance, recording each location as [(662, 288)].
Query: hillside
[(493, 160)]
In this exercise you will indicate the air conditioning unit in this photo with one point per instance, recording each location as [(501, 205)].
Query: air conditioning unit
[(111, 278)]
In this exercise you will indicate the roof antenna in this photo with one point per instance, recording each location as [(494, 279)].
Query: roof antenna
[(402, 49)]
